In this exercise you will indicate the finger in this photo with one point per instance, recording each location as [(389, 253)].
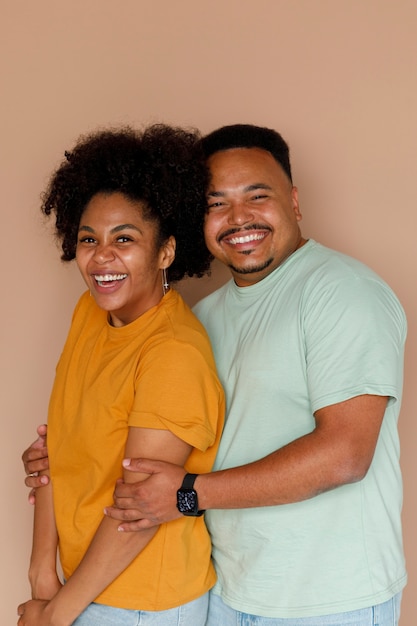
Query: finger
[(123, 492), (123, 514), (145, 466), (36, 462), (119, 482), (35, 454), (36, 449), (42, 430), (34, 481), (128, 493), (142, 524), (20, 609)]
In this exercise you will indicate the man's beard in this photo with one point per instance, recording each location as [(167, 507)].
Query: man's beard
[(251, 270)]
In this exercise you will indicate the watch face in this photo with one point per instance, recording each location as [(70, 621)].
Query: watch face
[(187, 501)]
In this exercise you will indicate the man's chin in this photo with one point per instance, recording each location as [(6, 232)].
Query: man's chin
[(250, 269)]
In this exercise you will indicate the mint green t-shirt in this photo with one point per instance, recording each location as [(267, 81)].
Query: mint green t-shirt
[(322, 328)]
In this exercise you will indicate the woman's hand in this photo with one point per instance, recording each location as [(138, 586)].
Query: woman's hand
[(35, 613)]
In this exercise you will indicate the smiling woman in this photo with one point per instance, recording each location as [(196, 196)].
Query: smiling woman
[(119, 257), (136, 378)]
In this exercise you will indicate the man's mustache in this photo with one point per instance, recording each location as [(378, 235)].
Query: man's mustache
[(244, 229)]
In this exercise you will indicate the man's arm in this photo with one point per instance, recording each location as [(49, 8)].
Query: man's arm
[(339, 451), (35, 461)]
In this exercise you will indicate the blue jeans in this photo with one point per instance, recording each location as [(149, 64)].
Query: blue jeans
[(191, 614), (386, 614)]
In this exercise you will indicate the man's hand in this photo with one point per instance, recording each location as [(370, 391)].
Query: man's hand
[(35, 459), (150, 502)]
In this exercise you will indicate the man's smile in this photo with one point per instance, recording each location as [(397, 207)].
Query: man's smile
[(246, 238), (236, 236)]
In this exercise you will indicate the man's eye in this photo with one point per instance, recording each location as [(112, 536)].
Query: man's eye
[(215, 205)]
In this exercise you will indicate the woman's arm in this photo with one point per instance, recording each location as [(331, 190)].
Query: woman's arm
[(110, 551), (43, 577)]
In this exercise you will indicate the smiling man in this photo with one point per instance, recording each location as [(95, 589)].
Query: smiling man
[(304, 503), (253, 213)]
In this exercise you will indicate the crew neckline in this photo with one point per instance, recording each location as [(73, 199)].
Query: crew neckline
[(253, 290)]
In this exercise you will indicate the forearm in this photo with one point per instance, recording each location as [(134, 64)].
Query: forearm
[(42, 569), (337, 452), (293, 473), (300, 470), (110, 552)]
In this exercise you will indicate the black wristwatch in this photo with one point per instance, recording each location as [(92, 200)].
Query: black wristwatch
[(187, 500)]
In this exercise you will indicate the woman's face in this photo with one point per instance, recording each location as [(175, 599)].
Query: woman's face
[(118, 256)]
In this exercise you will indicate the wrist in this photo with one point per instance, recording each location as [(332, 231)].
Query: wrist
[(200, 485), (37, 572), (54, 614), (41, 565), (45, 585), (187, 497)]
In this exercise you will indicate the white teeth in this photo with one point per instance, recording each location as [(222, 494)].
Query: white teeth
[(109, 277), (246, 238)]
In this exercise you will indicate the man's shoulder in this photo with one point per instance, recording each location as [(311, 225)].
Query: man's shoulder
[(333, 263), (210, 302)]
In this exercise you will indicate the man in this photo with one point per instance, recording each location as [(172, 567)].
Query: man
[(304, 503)]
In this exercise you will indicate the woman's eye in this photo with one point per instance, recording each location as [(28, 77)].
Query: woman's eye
[(86, 240), (123, 239)]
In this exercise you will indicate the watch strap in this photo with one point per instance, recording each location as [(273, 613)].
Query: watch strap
[(188, 482)]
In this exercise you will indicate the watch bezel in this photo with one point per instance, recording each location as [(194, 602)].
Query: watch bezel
[(186, 489)]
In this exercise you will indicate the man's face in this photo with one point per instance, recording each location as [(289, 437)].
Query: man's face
[(252, 220)]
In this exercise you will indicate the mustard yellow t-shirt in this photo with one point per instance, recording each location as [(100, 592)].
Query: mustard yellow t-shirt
[(157, 372)]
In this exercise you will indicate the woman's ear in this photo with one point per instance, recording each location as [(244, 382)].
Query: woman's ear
[(168, 252)]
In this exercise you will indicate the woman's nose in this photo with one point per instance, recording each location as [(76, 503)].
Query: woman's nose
[(103, 253)]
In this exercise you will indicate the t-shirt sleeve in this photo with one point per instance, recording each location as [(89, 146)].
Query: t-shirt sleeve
[(177, 389), (354, 332)]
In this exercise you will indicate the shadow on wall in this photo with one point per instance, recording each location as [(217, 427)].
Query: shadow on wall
[(194, 289)]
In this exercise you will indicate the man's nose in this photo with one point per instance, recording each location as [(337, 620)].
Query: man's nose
[(240, 213)]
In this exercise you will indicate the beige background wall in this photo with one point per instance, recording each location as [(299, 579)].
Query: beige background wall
[(336, 77)]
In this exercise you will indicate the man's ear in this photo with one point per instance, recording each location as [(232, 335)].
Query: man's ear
[(295, 204)]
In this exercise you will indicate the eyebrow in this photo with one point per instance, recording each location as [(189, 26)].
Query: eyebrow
[(249, 188), (116, 229)]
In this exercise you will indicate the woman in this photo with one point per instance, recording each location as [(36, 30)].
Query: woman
[(136, 379)]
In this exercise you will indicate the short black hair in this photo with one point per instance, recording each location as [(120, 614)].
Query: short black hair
[(162, 167), (249, 136)]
